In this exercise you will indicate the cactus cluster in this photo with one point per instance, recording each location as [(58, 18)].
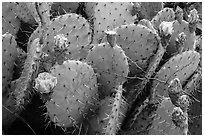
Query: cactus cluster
[(107, 68)]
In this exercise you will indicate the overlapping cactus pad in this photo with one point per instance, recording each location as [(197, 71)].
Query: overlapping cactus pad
[(102, 68)]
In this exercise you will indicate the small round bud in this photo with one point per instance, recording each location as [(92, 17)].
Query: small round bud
[(45, 82)]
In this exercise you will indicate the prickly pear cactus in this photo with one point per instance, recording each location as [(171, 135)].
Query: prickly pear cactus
[(166, 14), (23, 12), (156, 119), (108, 15), (147, 10), (60, 8), (75, 28), (103, 68), (179, 14), (181, 66), (73, 97), (195, 114), (90, 8), (189, 43), (193, 87), (9, 55), (20, 90), (19, 63), (98, 122), (148, 24), (23, 90), (163, 122), (193, 83), (110, 63), (117, 113), (193, 19), (40, 11), (109, 115), (36, 34), (10, 21), (138, 89), (139, 44), (43, 11)]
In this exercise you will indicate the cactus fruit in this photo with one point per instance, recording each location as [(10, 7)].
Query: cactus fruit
[(166, 14), (147, 10), (59, 55), (188, 28), (180, 41), (177, 96), (175, 91), (193, 16), (10, 21), (184, 102), (74, 95), (181, 66), (60, 8), (165, 28), (45, 83), (193, 20), (9, 55), (74, 27), (109, 15), (189, 43), (110, 63), (139, 44), (61, 42), (180, 120)]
